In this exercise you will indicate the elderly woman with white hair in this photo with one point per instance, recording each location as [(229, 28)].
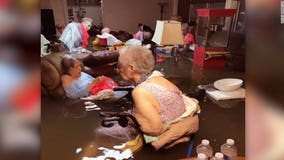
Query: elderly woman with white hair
[(165, 116), (189, 41), (75, 35), (111, 39)]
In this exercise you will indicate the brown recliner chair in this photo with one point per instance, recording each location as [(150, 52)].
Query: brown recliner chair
[(95, 64)]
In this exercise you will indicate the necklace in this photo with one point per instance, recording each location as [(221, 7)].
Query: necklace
[(143, 78)]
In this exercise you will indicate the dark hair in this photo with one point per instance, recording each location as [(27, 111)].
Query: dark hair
[(147, 28), (192, 23), (67, 62)]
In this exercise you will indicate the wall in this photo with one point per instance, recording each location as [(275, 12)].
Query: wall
[(59, 10), (230, 4), (93, 12), (183, 9), (193, 7), (126, 14), (117, 14), (45, 4)]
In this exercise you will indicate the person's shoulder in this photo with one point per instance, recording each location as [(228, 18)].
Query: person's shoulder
[(73, 24), (64, 76), (86, 75), (69, 24), (139, 91), (143, 96), (66, 79)]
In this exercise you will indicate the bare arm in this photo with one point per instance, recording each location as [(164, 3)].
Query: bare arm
[(95, 82), (146, 112), (66, 80)]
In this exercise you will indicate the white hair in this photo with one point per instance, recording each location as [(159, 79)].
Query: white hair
[(139, 57), (185, 25), (105, 30), (86, 19)]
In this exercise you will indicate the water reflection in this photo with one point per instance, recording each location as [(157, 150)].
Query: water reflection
[(74, 110)]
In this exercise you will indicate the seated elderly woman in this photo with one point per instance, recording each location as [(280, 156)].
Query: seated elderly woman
[(76, 83), (75, 35), (110, 39), (165, 116)]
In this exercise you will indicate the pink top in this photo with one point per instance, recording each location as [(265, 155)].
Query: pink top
[(85, 36), (171, 102), (188, 38), (138, 35)]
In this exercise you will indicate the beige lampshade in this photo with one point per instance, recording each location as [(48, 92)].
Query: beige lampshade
[(168, 33)]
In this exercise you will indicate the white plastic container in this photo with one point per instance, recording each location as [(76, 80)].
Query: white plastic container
[(205, 148), (201, 156), (228, 84), (218, 156), (229, 150)]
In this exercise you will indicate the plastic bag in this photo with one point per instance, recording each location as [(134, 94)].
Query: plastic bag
[(107, 83)]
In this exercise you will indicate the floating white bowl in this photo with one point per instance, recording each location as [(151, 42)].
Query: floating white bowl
[(228, 84)]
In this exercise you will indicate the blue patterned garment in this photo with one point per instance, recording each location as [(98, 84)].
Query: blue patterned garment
[(78, 88), (72, 36)]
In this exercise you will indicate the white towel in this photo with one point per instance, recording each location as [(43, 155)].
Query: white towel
[(104, 94), (225, 95)]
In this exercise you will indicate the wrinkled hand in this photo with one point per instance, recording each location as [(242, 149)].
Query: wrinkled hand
[(100, 79), (96, 81)]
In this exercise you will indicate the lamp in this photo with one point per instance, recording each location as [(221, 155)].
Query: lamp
[(168, 33)]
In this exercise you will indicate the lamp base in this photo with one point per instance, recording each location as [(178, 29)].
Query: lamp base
[(175, 53)]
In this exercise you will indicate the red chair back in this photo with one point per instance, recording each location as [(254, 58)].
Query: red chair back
[(102, 42)]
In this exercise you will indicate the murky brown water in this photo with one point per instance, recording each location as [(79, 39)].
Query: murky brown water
[(66, 127)]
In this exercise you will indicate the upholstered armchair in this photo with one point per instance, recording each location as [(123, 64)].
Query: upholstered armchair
[(95, 64)]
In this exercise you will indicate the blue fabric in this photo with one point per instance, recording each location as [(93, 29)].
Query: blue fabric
[(72, 36), (78, 88), (191, 142)]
